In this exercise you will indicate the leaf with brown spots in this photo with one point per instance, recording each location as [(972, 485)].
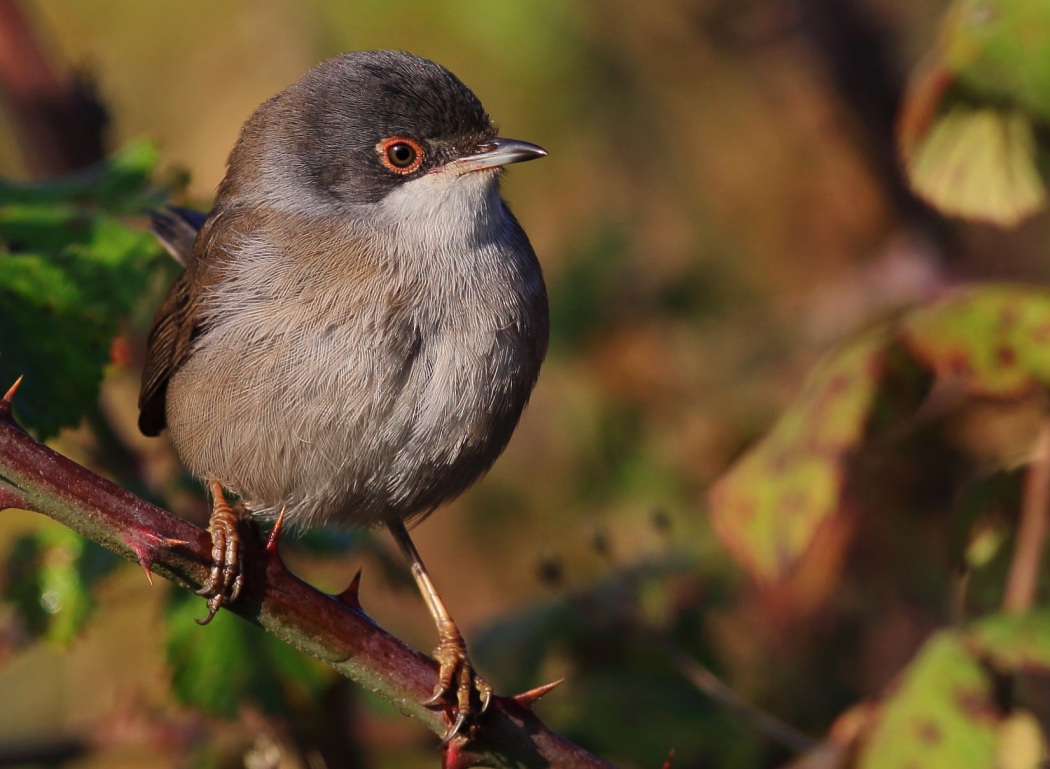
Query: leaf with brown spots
[(1014, 642), (994, 340), (770, 505), (942, 714)]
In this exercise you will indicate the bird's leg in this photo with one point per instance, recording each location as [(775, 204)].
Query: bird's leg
[(455, 671), (226, 577)]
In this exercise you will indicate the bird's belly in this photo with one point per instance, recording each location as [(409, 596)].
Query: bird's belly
[(341, 426)]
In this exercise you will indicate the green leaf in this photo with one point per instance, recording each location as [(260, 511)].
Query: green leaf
[(973, 124), (120, 184), (1014, 642), (1000, 51), (993, 340), (70, 272), (49, 578), (770, 504), (229, 662), (941, 716), (979, 163)]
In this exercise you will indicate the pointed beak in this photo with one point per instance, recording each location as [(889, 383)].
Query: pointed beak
[(497, 152)]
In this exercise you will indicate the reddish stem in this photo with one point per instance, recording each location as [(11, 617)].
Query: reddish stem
[(1031, 533), (33, 477)]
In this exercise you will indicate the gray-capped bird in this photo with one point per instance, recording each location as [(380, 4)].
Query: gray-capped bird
[(360, 322)]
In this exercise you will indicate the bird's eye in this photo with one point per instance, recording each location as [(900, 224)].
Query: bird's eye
[(400, 155)]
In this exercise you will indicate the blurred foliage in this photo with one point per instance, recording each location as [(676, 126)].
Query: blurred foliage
[(771, 504), (70, 273), (50, 579), (948, 711), (942, 715), (738, 279), (989, 341), (974, 127), (234, 663)]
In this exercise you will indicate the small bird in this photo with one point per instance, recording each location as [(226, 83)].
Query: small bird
[(360, 322)]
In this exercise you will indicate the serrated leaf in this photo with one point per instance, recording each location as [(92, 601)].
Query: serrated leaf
[(941, 716), (991, 339), (223, 665), (979, 163), (771, 503)]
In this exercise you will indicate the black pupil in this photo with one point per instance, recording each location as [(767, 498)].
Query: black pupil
[(401, 154)]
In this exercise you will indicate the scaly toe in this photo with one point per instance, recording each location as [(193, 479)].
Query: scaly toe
[(226, 577), (458, 681)]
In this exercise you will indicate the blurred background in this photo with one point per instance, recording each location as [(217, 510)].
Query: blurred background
[(722, 206)]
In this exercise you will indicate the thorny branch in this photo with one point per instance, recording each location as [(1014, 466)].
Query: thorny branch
[(334, 629)]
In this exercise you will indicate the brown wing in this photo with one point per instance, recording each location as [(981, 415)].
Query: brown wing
[(174, 325), (169, 344)]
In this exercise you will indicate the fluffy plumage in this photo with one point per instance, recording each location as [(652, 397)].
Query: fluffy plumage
[(351, 344)]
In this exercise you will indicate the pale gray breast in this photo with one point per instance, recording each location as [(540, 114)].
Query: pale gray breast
[(371, 388)]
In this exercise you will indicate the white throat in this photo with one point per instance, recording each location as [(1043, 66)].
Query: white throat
[(445, 211)]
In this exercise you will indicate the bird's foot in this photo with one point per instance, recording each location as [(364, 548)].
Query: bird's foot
[(457, 678), (227, 576)]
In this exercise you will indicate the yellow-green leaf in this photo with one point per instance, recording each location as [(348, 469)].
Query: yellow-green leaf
[(769, 506), (1014, 642), (941, 716), (979, 163), (994, 340)]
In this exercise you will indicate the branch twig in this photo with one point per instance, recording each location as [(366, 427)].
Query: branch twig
[(706, 681), (333, 629), (1031, 533)]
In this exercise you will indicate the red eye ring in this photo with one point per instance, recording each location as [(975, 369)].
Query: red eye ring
[(400, 155)]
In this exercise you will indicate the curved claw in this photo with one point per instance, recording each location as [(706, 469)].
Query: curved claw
[(213, 609), (436, 698), (453, 730), (457, 678)]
